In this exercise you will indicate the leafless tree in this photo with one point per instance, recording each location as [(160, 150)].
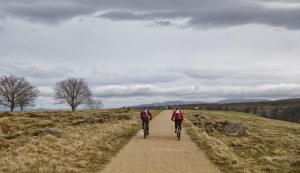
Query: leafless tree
[(73, 91), (94, 104), (90, 103), (16, 92), (28, 98)]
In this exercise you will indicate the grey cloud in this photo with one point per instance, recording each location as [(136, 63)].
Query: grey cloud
[(231, 17), (223, 17), (131, 76), (206, 73), (126, 15), (46, 91), (201, 13), (199, 91), (239, 77), (164, 23), (160, 18), (34, 71), (127, 79), (45, 11), (231, 73)]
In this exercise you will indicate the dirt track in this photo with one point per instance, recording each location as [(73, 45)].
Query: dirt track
[(160, 152)]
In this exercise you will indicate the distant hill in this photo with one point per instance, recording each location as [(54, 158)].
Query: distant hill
[(180, 103), (241, 100), (169, 103)]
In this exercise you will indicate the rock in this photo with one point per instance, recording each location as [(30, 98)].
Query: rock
[(47, 131), (200, 116), (196, 115), (45, 123), (77, 122), (123, 117), (211, 126), (236, 144), (100, 120), (235, 129), (3, 144), (12, 136)]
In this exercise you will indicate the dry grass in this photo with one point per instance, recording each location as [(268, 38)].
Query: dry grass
[(86, 142), (270, 146)]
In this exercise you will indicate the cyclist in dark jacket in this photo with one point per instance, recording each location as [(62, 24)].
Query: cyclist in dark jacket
[(177, 117)]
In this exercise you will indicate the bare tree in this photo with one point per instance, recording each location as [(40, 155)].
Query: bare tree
[(73, 91), (28, 98), (16, 92), (94, 104), (90, 103), (98, 104)]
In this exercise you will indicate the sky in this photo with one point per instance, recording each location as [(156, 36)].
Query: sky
[(132, 52)]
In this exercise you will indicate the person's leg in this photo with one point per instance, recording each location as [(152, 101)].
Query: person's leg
[(143, 123), (179, 123), (147, 125), (176, 122)]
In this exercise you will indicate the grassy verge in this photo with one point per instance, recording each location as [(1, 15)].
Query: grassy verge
[(268, 146), (63, 141)]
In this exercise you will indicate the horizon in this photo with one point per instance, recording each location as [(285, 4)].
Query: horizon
[(62, 107), (135, 52)]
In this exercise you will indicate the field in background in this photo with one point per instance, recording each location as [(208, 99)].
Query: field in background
[(286, 110), (268, 146), (80, 141)]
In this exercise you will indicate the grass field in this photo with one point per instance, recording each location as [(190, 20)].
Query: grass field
[(270, 146), (81, 141)]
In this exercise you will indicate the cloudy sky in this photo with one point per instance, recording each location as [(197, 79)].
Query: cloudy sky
[(140, 51)]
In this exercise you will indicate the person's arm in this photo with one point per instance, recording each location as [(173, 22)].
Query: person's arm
[(141, 114), (150, 115), (173, 115), (182, 116)]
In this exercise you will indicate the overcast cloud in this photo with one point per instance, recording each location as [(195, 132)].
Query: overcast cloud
[(140, 51), (201, 13)]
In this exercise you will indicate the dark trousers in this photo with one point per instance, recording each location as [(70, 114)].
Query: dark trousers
[(145, 122), (178, 123)]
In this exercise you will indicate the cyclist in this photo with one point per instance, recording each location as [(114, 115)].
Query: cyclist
[(177, 117), (145, 117)]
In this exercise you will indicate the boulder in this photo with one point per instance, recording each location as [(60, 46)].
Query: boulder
[(235, 129), (211, 126), (48, 131), (3, 144)]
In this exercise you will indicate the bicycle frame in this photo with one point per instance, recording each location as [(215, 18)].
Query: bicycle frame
[(146, 128), (178, 132)]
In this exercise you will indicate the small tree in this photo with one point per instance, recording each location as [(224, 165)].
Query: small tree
[(73, 91), (28, 98), (94, 104), (16, 92), (98, 104)]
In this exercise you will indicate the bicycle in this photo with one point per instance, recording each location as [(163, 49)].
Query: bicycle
[(146, 128), (178, 132)]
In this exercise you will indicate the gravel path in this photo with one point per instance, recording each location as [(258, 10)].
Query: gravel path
[(160, 152)]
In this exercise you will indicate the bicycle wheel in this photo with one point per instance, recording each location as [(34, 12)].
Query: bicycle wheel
[(145, 132), (178, 133)]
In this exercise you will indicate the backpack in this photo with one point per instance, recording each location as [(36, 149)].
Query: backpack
[(144, 113), (177, 115)]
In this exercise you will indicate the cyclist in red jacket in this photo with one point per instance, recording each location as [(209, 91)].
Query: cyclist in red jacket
[(177, 117), (145, 117)]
